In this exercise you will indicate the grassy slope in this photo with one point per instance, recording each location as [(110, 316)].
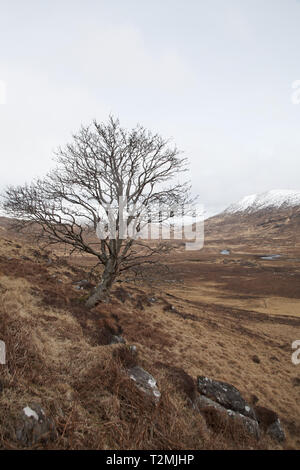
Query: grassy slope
[(58, 356)]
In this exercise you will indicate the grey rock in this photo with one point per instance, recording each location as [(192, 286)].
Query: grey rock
[(276, 432), (226, 395), (144, 381), (250, 425), (34, 426)]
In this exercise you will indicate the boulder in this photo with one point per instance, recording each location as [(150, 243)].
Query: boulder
[(276, 432), (34, 426), (144, 381), (270, 423), (202, 403), (226, 395)]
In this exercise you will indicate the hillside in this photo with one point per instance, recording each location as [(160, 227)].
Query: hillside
[(230, 318), (270, 220), (275, 199)]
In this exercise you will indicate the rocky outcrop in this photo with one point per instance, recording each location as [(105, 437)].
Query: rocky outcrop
[(226, 400), (226, 395), (144, 381), (202, 403)]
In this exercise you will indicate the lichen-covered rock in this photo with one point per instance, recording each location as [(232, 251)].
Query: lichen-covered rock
[(144, 381), (270, 423), (34, 426), (250, 425), (226, 395)]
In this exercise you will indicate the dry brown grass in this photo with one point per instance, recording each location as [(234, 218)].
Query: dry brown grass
[(85, 388), (58, 354)]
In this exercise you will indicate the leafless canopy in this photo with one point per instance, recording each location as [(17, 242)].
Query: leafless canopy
[(103, 163)]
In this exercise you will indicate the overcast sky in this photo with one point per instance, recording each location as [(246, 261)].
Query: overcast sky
[(215, 75)]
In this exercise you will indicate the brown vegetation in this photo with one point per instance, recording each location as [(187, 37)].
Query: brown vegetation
[(59, 355)]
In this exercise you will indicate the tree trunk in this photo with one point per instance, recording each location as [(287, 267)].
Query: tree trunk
[(103, 288)]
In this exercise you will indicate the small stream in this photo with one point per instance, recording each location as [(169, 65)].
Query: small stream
[(225, 252), (270, 257)]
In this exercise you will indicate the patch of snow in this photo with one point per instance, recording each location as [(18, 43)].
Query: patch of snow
[(30, 413), (152, 383), (270, 257), (280, 198)]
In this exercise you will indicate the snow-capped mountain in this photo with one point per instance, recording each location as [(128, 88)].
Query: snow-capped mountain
[(275, 199), (258, 220)]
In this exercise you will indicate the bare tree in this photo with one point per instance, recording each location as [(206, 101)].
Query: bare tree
[(102, 165)]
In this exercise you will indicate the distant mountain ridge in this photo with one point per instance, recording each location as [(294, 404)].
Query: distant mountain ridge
[(258, 220), (275, 199)]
